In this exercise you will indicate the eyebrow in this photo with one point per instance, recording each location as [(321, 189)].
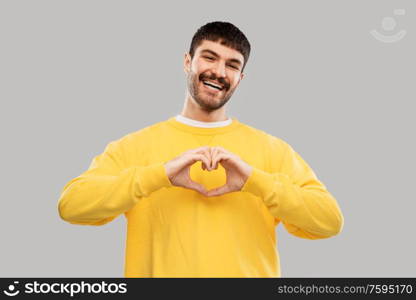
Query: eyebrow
[(235, 60)]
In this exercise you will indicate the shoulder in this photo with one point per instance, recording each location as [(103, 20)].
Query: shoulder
[(268, 139), (136, 141), (144, 134), (273, 147)]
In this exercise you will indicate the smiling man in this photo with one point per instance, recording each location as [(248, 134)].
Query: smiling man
[(211, 89), (202, 192)]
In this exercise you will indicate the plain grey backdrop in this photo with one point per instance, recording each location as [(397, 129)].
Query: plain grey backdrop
[(75, 75)]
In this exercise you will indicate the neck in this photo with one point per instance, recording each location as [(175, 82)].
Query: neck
[(192, 110)]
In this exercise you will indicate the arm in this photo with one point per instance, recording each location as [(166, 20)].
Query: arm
[(108, 188), (297, 198)]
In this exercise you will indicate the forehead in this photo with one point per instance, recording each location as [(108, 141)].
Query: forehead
[(223, 51)]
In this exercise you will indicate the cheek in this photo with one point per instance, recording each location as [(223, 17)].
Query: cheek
[(234, 79), (199, 66)]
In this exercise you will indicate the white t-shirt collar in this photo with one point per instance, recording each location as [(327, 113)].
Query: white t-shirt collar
[(195, 123)]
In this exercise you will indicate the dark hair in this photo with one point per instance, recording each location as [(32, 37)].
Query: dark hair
[(226, 33)]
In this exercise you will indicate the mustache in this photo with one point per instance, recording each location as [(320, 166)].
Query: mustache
[(221, 80)]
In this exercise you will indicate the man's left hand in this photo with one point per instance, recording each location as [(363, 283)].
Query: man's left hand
[(237, 171)]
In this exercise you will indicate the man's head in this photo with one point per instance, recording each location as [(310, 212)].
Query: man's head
[(214, 65)]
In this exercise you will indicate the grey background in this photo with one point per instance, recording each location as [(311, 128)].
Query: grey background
[(75, 75)]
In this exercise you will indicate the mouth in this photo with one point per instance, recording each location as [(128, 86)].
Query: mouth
[(213, 85)]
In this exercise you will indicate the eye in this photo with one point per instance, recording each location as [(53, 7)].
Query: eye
[(209, 57), (234, 67)]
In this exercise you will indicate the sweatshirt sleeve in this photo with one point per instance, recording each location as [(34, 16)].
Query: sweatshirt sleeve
[(297, 198), (108, 188)]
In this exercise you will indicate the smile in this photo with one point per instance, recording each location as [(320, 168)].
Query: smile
[(212, 85)]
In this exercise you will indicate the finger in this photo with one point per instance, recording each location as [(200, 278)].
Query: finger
[(201, 150), (223, 150), (191, 158), (218, 191), (214, 158), (198, 150), (219, 157), (214, 153), (207, 154)]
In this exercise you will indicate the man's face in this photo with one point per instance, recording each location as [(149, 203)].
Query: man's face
[(213, 74)]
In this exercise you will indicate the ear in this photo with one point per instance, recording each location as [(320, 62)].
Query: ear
[(241, 77), (187, 63)]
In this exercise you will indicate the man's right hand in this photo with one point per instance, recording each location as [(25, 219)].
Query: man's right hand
[(178, 169)]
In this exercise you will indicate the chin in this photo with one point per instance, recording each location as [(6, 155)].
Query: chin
[(211, 104)]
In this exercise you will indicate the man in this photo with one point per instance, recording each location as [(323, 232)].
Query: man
[(202, 192)]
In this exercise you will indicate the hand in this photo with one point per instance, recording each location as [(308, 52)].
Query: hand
[(237, 171), (178, 169)]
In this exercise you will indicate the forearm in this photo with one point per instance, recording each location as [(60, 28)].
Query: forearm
[(309, 207), (94, 199)]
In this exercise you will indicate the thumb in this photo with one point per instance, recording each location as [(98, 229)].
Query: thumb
[(218, 191), (196, 187)]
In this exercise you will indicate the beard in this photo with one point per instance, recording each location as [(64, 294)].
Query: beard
[(208, 102)]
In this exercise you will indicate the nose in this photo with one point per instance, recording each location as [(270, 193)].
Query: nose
[(219, 69)]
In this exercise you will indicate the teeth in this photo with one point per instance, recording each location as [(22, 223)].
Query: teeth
[(213, 84)]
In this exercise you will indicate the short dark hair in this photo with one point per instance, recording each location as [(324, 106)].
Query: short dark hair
[(226, 33)]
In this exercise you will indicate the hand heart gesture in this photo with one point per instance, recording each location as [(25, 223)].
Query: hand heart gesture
[(237, 171)]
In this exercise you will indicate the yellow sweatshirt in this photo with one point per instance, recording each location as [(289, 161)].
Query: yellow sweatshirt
[(177, 232)]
